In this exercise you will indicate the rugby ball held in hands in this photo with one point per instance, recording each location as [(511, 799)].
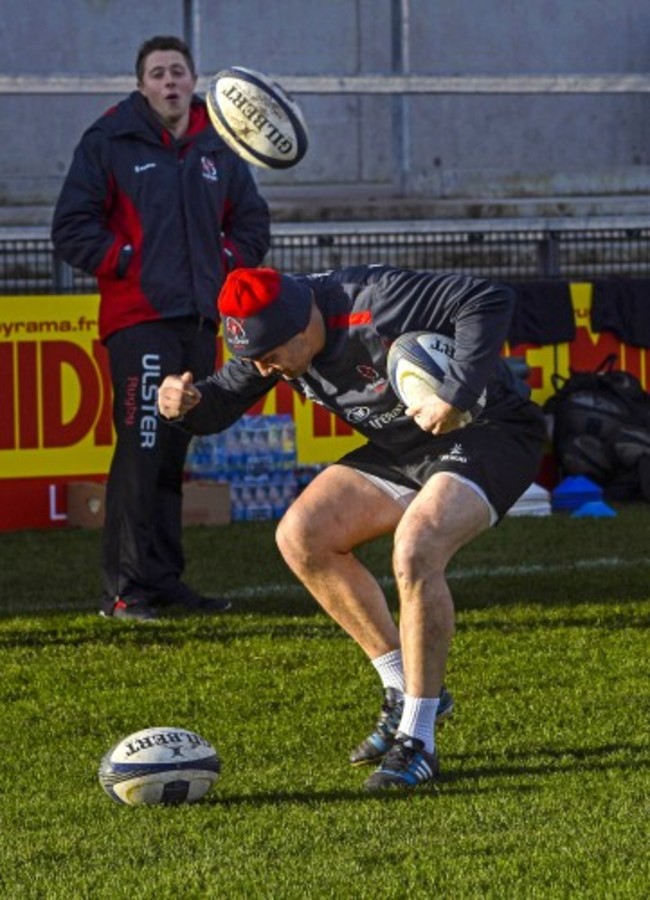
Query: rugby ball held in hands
[(257, 118), (159, 765), (417, 365)]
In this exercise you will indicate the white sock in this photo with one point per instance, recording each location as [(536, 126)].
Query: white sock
[(390, 669), (419, 719)]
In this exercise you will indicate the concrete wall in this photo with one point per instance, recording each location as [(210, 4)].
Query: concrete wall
[(370, 156)]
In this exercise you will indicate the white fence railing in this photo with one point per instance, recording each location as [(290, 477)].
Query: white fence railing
[(358, 84)]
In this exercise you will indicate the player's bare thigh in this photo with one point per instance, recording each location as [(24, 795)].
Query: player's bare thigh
[(444, 516), (340, 509)]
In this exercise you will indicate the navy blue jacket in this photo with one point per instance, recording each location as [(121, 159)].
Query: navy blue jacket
[(189, 209), (365, 308)]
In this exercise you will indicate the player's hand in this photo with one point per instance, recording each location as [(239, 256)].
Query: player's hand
[(177, 395), (437, 416)]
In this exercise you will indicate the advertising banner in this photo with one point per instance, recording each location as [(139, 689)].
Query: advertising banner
[(55, 399), (55, 408)]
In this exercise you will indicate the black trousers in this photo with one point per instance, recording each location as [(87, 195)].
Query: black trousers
[(142, 553)]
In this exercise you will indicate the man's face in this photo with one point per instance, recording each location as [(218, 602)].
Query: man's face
[(290, 360), (168, 85)]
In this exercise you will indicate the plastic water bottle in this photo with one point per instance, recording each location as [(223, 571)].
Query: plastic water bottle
[(288, 442), (198, 462)]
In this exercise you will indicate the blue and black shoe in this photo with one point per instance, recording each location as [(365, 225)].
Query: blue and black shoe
[(377, 744), (407, 765)]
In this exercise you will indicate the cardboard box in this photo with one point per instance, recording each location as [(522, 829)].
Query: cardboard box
[(204, 503), (86, 501)]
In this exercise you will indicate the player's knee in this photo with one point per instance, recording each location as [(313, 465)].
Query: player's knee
[(283, 537), (295, 539), (416, 558)]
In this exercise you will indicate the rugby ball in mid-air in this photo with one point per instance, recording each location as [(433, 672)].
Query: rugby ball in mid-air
[(159, 765), (417, 365), (257, 118)]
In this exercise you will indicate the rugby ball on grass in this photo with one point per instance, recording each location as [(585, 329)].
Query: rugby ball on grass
[(417, 365), (257, 118), (159, 765)]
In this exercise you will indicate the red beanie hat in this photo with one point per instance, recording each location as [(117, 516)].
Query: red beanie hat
[(262, 309)]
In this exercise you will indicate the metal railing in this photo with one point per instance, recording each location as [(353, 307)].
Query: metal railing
[(563, 250), (395, 84)]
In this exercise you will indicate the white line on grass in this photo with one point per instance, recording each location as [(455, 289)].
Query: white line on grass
[(289, 589), (475, 572)]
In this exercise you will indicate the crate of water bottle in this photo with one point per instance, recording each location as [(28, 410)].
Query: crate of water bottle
[(269, 443), (200, 459), (257, 497), (254, 445), (304, 475)]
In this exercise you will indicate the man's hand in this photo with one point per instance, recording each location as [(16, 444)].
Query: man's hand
[(437, 416), (177, 395)]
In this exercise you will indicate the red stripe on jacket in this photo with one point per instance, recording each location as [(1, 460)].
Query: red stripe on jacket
[(346, 320)]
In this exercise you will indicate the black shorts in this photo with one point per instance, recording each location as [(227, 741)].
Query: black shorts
[(502, 456)]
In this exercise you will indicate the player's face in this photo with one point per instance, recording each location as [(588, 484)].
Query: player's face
[(290, 360), (168, 85)]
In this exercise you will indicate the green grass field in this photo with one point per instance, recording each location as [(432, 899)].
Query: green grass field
[(545, 766)]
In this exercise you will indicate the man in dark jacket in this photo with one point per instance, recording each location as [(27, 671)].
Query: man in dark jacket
[(435, 484), (159, 209)]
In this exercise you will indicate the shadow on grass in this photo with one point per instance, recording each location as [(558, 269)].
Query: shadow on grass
[(346, 795), (291, 599), (604, 618), (170, 633), (228, 628), (464, 781), (553, 761)]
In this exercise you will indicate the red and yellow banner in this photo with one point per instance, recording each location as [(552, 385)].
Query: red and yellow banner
[(55, 404), (55, 398), (585, 352)]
